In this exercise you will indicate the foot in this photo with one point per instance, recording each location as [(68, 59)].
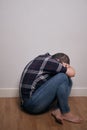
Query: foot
[(71, 118), (58, 116)]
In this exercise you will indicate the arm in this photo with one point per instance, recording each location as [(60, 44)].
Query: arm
[(70, 70)]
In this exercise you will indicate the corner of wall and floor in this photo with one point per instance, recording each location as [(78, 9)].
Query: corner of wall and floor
[(14, 92)]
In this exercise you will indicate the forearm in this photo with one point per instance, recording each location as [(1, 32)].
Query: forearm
[(70, 70)]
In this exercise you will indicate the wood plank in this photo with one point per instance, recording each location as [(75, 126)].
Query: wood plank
[(12, 118)]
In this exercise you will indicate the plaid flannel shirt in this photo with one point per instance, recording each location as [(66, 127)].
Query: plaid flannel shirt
[(37, 72)]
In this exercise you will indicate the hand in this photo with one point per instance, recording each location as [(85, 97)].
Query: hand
[(70, 70), (66, 65)]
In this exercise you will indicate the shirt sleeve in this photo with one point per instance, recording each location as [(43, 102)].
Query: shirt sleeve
[(53, 66)]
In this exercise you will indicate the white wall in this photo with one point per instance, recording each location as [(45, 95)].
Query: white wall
[(32, 27)]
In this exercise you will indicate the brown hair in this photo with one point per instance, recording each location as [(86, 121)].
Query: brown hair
[(61, 57)]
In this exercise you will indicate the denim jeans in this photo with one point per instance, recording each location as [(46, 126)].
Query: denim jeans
[(58, 88)]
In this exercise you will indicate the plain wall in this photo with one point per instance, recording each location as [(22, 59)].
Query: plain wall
[(32, 27)]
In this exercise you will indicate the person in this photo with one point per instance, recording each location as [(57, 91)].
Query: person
[(45, 79)]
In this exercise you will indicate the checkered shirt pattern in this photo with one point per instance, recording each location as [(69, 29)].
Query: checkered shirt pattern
[(37, 72)]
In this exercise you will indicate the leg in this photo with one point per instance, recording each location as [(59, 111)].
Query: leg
[(62, 96), (62, 100), (45, 95), (63, 93)]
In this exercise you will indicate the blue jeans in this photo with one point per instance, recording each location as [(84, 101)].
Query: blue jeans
[(57, 88)]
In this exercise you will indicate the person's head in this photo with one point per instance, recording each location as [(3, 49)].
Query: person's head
[(61, 57)]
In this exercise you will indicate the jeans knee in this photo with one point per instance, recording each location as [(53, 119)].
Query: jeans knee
[(63, 76)]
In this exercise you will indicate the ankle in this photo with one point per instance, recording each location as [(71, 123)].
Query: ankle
[(56, 111), (67, 114)]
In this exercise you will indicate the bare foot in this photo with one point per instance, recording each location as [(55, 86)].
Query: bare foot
[(71, 118), (57, 115)]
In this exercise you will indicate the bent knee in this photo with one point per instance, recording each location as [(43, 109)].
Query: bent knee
[(63, 76)]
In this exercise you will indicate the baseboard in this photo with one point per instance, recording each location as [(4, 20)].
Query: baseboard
[(9, 92), (79, 92), (14, 92)]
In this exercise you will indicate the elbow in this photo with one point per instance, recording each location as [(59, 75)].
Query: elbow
[(70, 73), (73, 74)]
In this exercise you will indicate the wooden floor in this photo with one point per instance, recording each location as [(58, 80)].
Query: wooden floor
[(12, 118)]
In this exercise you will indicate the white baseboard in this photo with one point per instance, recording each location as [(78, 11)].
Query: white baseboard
[(14, 92), (78, 92), (9, 92)]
